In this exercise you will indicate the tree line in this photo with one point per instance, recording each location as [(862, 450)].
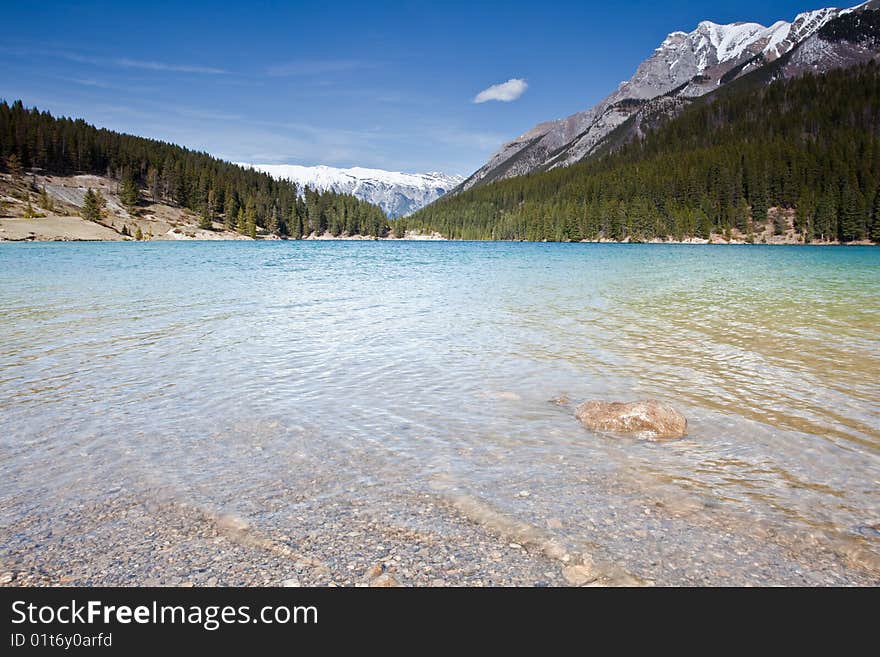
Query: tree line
[(242, 199), (810, 145)]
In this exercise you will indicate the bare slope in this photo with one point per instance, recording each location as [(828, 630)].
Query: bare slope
[(60, 220)]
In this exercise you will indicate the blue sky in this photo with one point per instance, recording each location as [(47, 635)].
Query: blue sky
[(382, 84)]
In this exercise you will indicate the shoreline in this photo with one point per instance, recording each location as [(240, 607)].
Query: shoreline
[(369, 238)]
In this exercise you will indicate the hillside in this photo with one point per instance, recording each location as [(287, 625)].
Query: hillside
[(145, 180), (685, 66), (802, 155), (40, 207)]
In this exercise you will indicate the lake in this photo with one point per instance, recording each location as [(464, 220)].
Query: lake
[(233, 376)]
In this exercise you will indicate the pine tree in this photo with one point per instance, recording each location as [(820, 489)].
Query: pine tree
[(741, 216), (852, 214), (272, 224), (101, 202), (780, 225), (13, 166), (206, 219), (91, 209), (826, 217), (250, 219), (703, 225), (139, 234), (46, 201), (29, 212), (295, 231), (875, 218), (153, 184), (129, 193), (230, 210), (804, 221)]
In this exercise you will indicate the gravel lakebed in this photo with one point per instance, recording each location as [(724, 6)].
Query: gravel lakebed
[(128, 541)]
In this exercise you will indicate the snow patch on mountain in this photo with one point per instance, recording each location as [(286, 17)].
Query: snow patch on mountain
[(398, 194)]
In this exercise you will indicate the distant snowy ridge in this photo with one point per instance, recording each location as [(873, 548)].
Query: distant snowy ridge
[(398, 194)]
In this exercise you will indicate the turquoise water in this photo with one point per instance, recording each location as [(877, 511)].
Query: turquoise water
[(213, 371)]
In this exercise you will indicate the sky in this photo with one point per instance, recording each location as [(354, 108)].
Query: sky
[(404, 86)]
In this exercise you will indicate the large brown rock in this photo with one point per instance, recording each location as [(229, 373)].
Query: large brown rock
[(646, 419)]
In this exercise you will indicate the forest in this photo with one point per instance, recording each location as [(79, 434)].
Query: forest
[(809, 145), (240, 198)]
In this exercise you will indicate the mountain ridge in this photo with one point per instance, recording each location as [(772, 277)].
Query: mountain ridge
[(764, 159), (688, 64), (399, 194)]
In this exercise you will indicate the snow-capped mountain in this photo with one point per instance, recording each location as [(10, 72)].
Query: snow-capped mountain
[(398, 194), (685, 65)]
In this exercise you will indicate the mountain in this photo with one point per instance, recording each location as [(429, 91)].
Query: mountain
[(175, 180), (684, 66), (398, 194), (793, 160)]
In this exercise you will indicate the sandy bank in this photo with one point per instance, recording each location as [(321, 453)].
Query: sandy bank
[(24, 216), (55, 228)]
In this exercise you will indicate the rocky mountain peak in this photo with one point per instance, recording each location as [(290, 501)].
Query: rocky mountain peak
[(687, 64)]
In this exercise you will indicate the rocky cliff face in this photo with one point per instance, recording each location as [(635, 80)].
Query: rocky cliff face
[(851, 39), (685, 65)]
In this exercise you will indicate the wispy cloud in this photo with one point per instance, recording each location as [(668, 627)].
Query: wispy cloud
[(109, 86), (206, 115), (88, 82), (124, 62), (315, 67), (504, 92), (161, 66)]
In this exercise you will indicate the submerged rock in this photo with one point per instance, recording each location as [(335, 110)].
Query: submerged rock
[(647, 418)]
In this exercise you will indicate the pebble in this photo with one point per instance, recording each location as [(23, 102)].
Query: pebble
[(374, 571), (291, 583), (578, 574), (384, 580), (135, 539)]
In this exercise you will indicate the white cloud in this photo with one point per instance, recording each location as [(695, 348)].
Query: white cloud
[(505, 92)]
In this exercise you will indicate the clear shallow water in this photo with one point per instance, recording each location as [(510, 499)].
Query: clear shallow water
[(219, 370)]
